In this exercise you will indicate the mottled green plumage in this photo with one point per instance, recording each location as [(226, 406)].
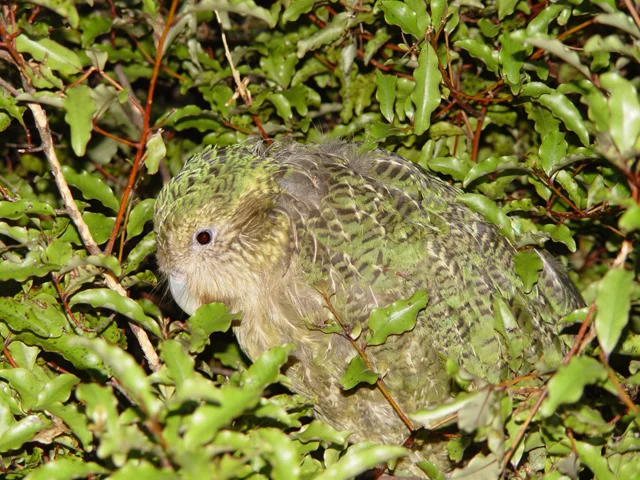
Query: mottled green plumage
[(377, 228)]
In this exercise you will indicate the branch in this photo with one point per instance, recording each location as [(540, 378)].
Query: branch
[(72, 210), (381, 386), (137, 163)]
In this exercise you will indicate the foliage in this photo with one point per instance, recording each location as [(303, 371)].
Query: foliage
[(531, 107)]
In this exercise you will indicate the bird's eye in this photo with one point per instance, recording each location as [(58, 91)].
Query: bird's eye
[(204, 237)]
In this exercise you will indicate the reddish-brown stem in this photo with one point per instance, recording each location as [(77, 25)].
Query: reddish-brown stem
[(137, 163), (258, 123), (115, 137), (379, 383), (8, 356), (477, 134)]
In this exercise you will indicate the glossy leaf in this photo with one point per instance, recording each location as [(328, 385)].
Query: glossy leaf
[(357, 372), (92, 187), (80, 109), (395, 319), (52, 54), (156, 151), (127, 371), (139, 216), (625, 111), (357, 461), (386, 94), (527, 264), (411, 21), (567, 385), (493, 214), (209, 318), (613, 301), (491, 165), (426, 95), (109, 299)]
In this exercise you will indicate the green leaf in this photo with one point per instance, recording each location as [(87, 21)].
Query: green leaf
[(567, 385), (5, 121), (512, 55), (458, 168), (295, 9), (15, 210), (180, 365), (109, 299), (245, 8), (560, 233), (479, 467), (630, 220), (410, 20), (479, 411), (143, 470), (493, 214), (567, 112), (42, 318), (283, 455), (66, 468), (99, 225), (591, 456), (320, 431), (552, 150), (266, 369), (280, 66), (80, 108), (156, 151), (506, 7), (65, 8), (558, 49), (93, 26), (527, 264), (540, 24), (58, 389), (91, 186), (51, 54), (139, 216), (205, 422), (16, 435), (359, 459), (25, 383), (491, 165), (332, 31), (613, 301), (395, 319), (619, 20), (438, 12), (127, 371), (624, 105), (357, 372), (283, 107), (386, 94), (426, 95), (480, 51), (209, 318), (142, 250)]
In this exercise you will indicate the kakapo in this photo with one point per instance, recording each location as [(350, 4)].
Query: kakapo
[(259, 227)]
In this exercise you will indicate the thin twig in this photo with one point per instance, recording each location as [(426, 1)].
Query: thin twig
[(244, 92), (363, 355), (72, 210), (137, 163), (42, 125)]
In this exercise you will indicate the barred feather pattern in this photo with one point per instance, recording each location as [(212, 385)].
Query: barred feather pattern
[(376, 228)]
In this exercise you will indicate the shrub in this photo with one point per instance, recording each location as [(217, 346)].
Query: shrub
[(531, 107)]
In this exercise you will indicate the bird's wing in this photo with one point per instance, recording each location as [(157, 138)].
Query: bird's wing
[(378, 228)]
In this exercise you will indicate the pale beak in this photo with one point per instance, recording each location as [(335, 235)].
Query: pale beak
[(182, 296)]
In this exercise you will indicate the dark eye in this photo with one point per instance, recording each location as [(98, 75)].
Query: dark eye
[(204, 237)]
